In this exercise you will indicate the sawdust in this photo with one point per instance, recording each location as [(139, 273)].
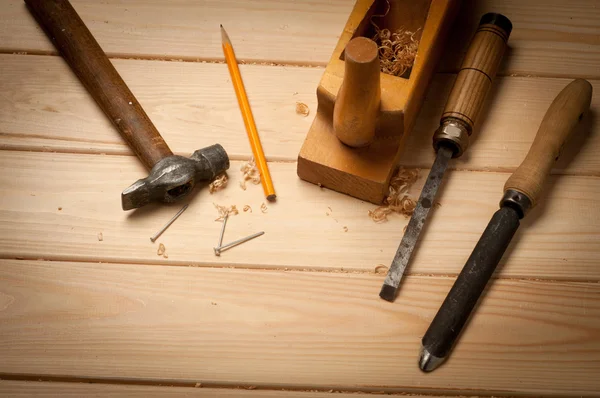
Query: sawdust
[(161, 249), (397, 50), (100, 237), (60, 208), (302, 109), (345, 228), (224, 210), (247, 208), (249, 173), (397, 200), (263, 208), (219, 183)]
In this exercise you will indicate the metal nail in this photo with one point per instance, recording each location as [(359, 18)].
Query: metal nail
[(163, 229), (218, 250), (223, 229)]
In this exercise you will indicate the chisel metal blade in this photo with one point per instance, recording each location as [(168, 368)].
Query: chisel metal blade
[(415, 225)]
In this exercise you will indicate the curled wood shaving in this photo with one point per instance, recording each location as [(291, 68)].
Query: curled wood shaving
[(263, 208), (161, 249), (249, 173), (397, 50), (397, 200), (380, 269), (218, 183), (302, 109), (247, 208), (224, 210)]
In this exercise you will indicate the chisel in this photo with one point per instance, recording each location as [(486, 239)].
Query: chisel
[(451, 139), (521, 193)]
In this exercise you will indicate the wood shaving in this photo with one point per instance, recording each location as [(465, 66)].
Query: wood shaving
[(397, 200), (263, 208), (302, 109), (165, 255), (249, 173), (161, 249), (247, 208), (381, 269), (100, 237), (220, 182), (397, 50), (345, 229), (224, 210)]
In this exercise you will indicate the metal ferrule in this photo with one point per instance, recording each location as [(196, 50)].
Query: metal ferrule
[(454, 134), (516, 200)]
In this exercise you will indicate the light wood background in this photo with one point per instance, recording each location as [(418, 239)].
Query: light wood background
[(295, 313)]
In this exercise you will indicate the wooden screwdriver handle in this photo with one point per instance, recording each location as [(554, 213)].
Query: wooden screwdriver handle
[(478, 69), (559, 122), (89, 62)]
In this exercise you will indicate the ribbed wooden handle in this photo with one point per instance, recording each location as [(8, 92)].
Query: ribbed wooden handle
[(84, 55), (561, 117), (478, 69)]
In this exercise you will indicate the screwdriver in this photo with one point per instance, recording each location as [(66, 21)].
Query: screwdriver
[(451, 139), (521, 193)]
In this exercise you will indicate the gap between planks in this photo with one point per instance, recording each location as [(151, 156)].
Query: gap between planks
[(211, 389), (263, 268), (291, 64)]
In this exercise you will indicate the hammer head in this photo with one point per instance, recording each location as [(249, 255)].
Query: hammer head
[(174, 177)]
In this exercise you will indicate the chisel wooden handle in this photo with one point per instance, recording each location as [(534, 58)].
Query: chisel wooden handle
[(559, 122), (89, 62), (473, 82)]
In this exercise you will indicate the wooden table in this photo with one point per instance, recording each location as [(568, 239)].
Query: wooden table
[(296, 309)]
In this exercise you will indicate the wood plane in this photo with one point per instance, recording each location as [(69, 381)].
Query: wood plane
[(371, 111)]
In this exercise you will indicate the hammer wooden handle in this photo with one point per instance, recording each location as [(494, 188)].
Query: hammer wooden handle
[(89, 62), (559, 122), (478, 69)]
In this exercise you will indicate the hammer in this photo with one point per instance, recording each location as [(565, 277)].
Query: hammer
[(171, 176)]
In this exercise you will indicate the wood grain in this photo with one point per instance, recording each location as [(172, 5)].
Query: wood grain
[(558, 125), (550, 38), (304, 229), (476, 75), (20, 389), (210, 326), (43, 107)]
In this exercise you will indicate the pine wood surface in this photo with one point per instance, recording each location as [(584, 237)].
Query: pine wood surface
[(44, 108), (20, 389), (296, 308), (55, 205), (210, 326), (550, 38)]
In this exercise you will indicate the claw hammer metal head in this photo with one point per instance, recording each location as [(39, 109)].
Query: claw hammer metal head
[(171, 176), (174, 177)]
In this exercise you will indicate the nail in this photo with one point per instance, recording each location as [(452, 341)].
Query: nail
[(168, 224), (218, 250), (223, 229)]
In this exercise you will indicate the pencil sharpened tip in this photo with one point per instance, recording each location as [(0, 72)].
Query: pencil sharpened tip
[(429, 362), (388, 293), (224, 36), (272, 198)]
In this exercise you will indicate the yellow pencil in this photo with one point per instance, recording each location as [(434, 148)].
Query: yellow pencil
[(240, 92)]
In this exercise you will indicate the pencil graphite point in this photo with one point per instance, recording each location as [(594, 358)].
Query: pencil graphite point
[(224, 36)]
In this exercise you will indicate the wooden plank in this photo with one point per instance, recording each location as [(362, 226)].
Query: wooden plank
[(53, 206), (44, 107), (19, 389), (550, 38), (276, 31), (325, 330)]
